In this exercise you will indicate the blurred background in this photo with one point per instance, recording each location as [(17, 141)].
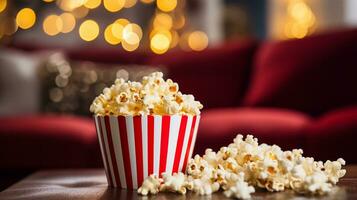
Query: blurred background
[(159, 26), (282, 70)]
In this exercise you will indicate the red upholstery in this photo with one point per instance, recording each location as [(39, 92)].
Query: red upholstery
[(46, 142), (218, 77), (334, 135), (313, 75), (218, 127)]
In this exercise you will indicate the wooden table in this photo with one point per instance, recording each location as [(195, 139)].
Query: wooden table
[(91, 184)]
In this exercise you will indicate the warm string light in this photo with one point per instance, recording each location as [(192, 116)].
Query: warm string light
[(89, 30), (91, 4), (3, 4), (165, 31), (113, 5), (25, 18), (124, 32), (300, 19), (68, 21), (52, 25)]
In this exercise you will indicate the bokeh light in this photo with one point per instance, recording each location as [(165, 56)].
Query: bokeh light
[(113, 5), (89, 30), (3, 4), (91, 4), (129, 47), (179, 22), (69, 5), (175, 39), (131, 38), (122, 21), (166, 5), (165, 32), (198, 40), (69, 22), (131, 27), (109, 36), (300, 20), (159, 43), (25, 18), (130, 3), (147, 1), (52, 25), (162, 20), (80, 12), (117, 30), (48, 1)]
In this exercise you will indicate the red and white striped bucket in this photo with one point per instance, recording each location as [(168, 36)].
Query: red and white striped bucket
[(133, 147)]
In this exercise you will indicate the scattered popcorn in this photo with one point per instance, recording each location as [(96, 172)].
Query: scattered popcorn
[(204, 186), (153, 95), (237, 187), (150, 185), (174, 183), (245, 164)]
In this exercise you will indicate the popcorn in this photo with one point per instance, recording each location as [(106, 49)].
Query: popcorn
[(150, 185), (245, 164), (204, 186), (333, 170), (174, 183), (237, 187), (153, 95)]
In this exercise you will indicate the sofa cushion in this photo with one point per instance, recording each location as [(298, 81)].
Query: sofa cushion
[(314, 75), (34, 142), (218, 127), (334, 135), (218, 76)]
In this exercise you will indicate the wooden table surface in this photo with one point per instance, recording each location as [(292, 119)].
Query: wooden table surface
[(91, 184)]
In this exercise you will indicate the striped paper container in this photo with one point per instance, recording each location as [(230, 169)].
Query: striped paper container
[(134, 147)]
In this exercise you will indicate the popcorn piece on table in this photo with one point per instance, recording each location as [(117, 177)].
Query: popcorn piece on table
[(237, 187), (174, 183), (150, 185), (245, 164)]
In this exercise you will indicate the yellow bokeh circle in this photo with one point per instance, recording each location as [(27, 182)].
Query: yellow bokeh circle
[(113, 5), (25, 18), (159, 43), (198, 40), (52, 25), (166, 5), (69, 22), (110, 37), (89, 30)]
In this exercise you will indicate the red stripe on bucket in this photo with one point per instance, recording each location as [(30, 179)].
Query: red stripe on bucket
[(138, 149), (180, 139), (189, 144), (165, 130), (150, 144), (112, 152), (125, 150), (110, 182)]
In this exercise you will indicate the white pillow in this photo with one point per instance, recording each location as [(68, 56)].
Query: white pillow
[(19, 82)]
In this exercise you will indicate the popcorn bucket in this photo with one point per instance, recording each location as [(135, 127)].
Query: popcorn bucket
[(134, 147)]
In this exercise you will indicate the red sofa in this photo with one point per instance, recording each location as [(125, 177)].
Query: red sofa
[(296, 93)]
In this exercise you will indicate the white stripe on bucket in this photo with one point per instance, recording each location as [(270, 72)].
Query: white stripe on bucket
[(117, 148), (131, 145), (157, 142), (144, 129), (173, 135)]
